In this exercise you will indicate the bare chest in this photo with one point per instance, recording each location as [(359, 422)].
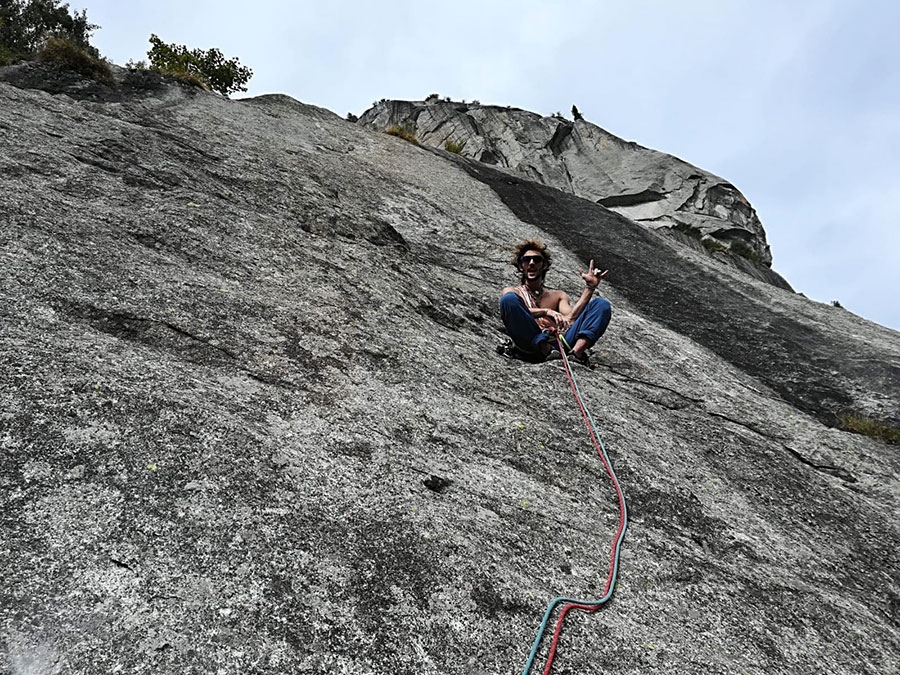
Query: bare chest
[(545, 300)]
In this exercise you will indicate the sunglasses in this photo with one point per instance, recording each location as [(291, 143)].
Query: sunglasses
[(532, 259)]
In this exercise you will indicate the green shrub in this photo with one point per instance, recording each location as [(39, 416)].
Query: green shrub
[(867, 426), (184, 76), (712, 244), (402, 132), (25, 27), (450, 146), (432, 97), (352, 118), (174, 73), (743, 249), (7, 57), (709, 242), (209, 69), (66, 54)]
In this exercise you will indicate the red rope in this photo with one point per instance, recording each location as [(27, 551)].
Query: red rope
[(548, 666)]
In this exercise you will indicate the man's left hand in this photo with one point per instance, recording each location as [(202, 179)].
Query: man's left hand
[(593, 276)]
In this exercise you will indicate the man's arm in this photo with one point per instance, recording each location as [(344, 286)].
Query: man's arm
[(573, 313), (591, 280)]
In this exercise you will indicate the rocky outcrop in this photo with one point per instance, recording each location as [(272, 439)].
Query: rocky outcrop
[(251, 417), (647, 186)]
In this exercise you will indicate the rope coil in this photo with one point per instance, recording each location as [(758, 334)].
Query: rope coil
[(573, 603)]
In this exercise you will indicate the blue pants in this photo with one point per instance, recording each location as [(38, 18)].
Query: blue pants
[(527, 335)]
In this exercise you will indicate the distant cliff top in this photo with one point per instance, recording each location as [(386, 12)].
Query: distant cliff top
[(650, 187)]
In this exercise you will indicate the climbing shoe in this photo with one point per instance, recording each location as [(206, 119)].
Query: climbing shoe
[(583, 358)]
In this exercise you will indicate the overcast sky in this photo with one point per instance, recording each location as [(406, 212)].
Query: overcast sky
[(797, 103)]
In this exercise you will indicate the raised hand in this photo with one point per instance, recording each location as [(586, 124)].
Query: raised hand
[(593, 276)]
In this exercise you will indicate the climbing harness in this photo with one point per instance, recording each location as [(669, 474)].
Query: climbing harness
[(573, 603)]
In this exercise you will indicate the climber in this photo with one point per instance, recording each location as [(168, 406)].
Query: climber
[(534, 314)]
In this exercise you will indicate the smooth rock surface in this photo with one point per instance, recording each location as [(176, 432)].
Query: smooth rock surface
[(252, 421), (648, 186)]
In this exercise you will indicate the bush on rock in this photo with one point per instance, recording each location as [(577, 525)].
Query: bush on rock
[(206, 68)]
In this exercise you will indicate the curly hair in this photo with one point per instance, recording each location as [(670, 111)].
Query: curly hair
[(530, 245), (522, 248)]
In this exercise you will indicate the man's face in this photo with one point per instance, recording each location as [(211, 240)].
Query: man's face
[(532, 264)]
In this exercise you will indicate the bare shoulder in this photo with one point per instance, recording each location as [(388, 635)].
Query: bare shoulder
[(558, 297), (509, 289)]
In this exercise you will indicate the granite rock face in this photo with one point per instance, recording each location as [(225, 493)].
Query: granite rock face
[(647, 186), (252, 420)]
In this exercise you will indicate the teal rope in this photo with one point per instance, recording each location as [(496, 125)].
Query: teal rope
[(611, 584)]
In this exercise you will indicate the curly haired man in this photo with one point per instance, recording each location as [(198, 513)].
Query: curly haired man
[(533, 313)]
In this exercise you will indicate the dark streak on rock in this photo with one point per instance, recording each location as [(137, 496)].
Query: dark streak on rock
[(791, 357)]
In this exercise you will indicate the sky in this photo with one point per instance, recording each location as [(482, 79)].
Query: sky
[(796, 103)]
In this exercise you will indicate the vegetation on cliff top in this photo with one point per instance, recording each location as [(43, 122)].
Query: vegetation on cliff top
[(451, 146), (403, 132), (46, 30), (208, 68), (26, 29), (69, 55)]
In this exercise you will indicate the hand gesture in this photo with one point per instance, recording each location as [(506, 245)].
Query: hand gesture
[(593, 276)]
